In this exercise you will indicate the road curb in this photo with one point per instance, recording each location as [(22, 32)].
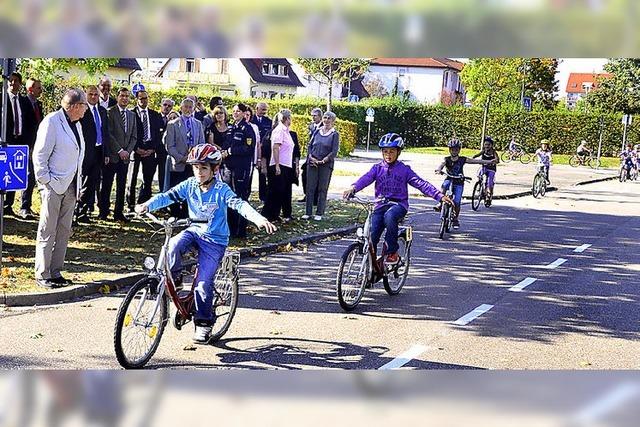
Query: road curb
[(106, 286)]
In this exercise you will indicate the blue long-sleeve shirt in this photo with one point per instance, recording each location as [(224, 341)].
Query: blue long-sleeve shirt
[(211, 205), (392, 180)]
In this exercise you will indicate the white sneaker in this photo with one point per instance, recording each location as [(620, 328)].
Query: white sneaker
[(304, 217), (317, 218), (202, 334)]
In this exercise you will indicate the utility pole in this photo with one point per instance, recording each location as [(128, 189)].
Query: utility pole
[(484, 120), (600, 143)]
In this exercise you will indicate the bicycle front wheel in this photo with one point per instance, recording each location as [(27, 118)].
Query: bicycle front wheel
[(353, 276), (476, 196), (395, 280), (623, 175), (140, 323), (226, 293), (525, 158), (535, 189), (594, 163), (444, 220)]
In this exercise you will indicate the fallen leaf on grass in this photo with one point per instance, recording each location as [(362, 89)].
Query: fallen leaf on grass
[(275, 333), (37, 336), (190, 348), (104, 289)]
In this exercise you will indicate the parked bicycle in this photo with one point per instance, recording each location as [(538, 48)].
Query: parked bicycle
[(480, 193), (360, 267), (447, 212), (518, 154), (539, 187), (578, 160), (144, 312)]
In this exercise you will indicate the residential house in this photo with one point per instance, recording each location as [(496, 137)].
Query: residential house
[(120, 73), (580, 84), (259, 77), (427, 80)]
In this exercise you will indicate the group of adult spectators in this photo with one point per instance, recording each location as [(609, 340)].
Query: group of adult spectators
[(113, 141)]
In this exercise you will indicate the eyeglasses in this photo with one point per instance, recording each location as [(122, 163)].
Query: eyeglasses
[(167, 105)]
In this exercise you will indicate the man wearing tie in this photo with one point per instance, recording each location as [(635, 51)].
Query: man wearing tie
[(150, 127), (123, 136), (161, 153), (96, 137), (264, 126), (20, 126), (57, 163)]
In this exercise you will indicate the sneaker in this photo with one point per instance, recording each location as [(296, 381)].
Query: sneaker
[(61, 281), (456, 223), (304, 217), (392, 259), (48, 284), (202, 334), (317, 218)]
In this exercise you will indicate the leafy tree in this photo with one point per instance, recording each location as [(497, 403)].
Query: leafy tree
[(334, 70), (375, 86), (50, 70), (621, 91), (540, 80), (492, 80)]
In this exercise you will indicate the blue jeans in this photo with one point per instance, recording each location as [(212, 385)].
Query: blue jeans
[(457, 190), (209, 257), (387, 216)]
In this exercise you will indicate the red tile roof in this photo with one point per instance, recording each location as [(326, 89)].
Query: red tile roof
[(419, 62), (576, 80)]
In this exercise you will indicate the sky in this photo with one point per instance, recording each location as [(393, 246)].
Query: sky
[(576, 65)]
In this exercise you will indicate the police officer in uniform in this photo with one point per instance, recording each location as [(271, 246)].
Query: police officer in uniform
[(238, 154)]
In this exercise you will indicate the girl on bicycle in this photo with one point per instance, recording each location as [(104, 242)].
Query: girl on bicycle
[(455, 165), (208, 198), (392, 177), (627, 159), (544, 158), (488, 153)]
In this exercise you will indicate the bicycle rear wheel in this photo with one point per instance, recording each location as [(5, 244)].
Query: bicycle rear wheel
[(525, 158), (476, 196), (140, 323), (395, 280), (505, 156), (353, 276), (226, 295), (574, 160)]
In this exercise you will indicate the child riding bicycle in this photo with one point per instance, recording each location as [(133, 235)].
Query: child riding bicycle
[(207, 198), (391, 177), (628, 159), (488, 153), (544, 158), (454, 165)]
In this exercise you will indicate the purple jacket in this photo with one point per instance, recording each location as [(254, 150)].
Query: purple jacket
[(391, 182)]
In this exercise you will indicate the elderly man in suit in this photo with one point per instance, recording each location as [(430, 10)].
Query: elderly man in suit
[(123, 136), (57, 163), (96, 138), (182, 134)]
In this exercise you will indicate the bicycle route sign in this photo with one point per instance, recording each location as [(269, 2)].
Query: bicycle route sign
[(13, 167)]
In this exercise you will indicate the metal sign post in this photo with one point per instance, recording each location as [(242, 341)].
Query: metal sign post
[(626, 121), (599, 143), (8, 67), (369, 119)]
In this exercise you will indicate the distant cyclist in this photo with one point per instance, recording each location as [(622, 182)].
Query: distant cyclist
[(454, 164), (391, 178), (583, 150), (544, 156), (514, 147), (627, 158), (489, 153)]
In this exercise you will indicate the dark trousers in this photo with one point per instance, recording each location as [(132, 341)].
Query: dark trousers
[(303, 168), (179, 210), (240, 182), (90, 182), (278, 193), (161, 159), (388, 217), (148, 170), (28, 193), (263, 187), (119, 171)]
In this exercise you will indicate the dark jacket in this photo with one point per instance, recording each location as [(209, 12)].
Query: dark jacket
[(93, 154), (156, 129), (29, 123)]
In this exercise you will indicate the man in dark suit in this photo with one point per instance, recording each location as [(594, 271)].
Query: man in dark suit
[(161, 153), (106, 100), (264, 124), (123, 136), (34, 90), (150, 128), (21, 127), (96, 138)]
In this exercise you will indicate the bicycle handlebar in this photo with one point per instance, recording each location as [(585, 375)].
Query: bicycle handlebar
[(383, 200), (454, 176), (171, 222)]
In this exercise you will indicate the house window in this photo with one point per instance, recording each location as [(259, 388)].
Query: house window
[(282, 70), (446, 78), (402, 72), (223, 66), (191, 65), (265, 68)]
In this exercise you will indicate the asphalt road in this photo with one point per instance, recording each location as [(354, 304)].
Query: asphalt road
[(582, 313)]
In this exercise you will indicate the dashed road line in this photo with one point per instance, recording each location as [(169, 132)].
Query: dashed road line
[(582, 248), (477, 312), (523, 284), (404, 358), (555, 264)]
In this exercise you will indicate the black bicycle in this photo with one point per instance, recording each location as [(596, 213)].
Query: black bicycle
[(447, 211), (539, 187)]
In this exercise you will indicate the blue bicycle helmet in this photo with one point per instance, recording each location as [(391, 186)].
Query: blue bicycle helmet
[(391, 140), (454, 143), (488, 139)]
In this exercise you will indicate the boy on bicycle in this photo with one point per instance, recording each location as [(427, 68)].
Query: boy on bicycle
[(208, 198), (583, 150), (514, 146), (627, 159), (488, 153), (391, 177), (454, 165), (544, 158)]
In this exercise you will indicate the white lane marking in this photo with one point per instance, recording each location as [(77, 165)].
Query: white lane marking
[(477, 312), (404, 358), (582, 248), (555, 264), (606, 403), (520, 286)]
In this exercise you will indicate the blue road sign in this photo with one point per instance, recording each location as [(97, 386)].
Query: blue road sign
[(526, 102), (14, 160)]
